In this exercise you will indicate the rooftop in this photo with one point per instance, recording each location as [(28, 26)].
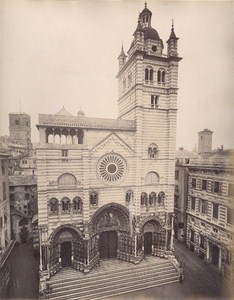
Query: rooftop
[(218, 158), (4, 152), (85, 122), (19, 113), (22, 180), (182, 153)]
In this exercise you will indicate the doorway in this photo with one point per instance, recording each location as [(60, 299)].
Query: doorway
[(148, 243), (215, 255), (66, 254), (108, 244)]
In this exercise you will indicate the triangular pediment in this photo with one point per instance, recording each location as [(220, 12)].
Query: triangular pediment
[(112, 142)]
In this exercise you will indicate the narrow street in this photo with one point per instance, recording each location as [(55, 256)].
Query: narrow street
[(201, 282), (24, 280)]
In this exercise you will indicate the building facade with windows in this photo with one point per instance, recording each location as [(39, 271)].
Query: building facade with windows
[(106, 186), (6, 244), (181, 192), (23, 206), (210, 209), (20, 129)]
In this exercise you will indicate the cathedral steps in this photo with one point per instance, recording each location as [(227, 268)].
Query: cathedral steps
[(112, 281)]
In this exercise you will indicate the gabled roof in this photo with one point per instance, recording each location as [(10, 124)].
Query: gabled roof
[(63, 112), (114, 138)]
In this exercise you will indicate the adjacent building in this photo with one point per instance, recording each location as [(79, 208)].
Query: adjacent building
[(106, 186), (210, 209), (204, 202), (20, 129), (181, 192), (6, 244), (205, 141), (23, 204)]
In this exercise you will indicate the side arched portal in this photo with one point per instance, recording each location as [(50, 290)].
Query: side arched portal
[(153, 237), (66, 248)]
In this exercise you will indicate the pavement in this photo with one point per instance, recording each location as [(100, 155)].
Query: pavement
[(201, 282), (24, 282)]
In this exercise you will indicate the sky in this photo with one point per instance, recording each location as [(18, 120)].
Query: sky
[(64, 52)]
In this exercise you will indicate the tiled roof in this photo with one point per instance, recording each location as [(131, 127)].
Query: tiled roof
[(218, 158), (85, 122), (22, 180), (182, 153)]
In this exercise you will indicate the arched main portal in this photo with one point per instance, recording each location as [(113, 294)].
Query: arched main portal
[(108, 243), (113, 227), (66, 248)]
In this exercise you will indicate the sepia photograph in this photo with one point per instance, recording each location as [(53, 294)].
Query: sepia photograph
[(116, 149)]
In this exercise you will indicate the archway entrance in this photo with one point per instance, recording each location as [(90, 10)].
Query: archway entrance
[(153, 238), (148, 243), (24, 235), (66, 248), (215, 255), (108, 244), (66, 254), (110, 225)]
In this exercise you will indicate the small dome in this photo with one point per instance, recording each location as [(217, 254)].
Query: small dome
[(80, 113), (151, 33)]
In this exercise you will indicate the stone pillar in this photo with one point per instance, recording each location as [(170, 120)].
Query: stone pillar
[(86, 250), (118, 245), (207, 251), (136, 243), (59, 210), (43, 232), (48, 259), (172, 232), (72, 253), (44, 257), (59, 255), (142, 243), (53, 136), (220, 258), (40, 248), (69, 136), (166, 238)]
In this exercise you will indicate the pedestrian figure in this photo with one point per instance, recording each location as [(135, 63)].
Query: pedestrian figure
[(181, 274), (181, 269)]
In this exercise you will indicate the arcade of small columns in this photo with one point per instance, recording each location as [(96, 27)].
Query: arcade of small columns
[(85, 246), (60, 135)]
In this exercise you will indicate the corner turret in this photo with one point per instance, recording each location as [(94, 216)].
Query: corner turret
[(122, 58), (172, 43)]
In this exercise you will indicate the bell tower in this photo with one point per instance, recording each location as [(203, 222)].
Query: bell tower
[(147, 93)]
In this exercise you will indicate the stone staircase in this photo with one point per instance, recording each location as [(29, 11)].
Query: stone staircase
[(112, 278)]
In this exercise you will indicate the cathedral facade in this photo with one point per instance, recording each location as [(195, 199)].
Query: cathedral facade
[(106, 186)]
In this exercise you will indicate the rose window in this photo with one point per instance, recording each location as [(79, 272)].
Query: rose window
[(111, 168)]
